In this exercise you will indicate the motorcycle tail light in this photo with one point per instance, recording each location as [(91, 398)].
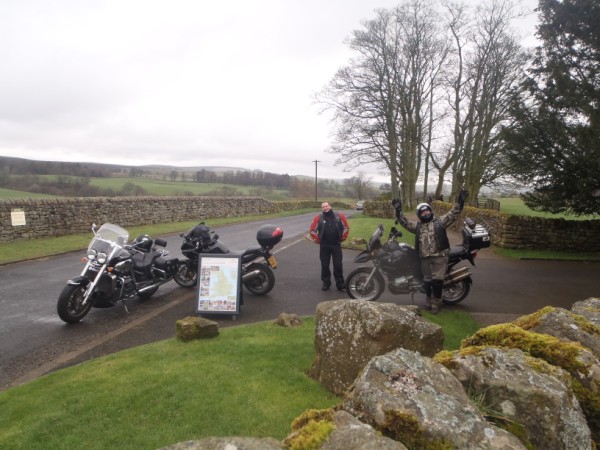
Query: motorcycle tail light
[(474, 253), (101, 258), (92, 255)]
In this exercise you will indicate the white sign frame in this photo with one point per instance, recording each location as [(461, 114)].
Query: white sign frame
[(219, 295)]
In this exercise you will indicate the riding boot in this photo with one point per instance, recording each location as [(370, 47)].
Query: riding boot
[(436, 301), (428, 303)]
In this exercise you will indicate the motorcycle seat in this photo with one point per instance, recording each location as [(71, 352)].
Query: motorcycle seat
[(251, 250), (456, 251), (143, 260)]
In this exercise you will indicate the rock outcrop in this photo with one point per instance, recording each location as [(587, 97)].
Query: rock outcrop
[(350, 332)]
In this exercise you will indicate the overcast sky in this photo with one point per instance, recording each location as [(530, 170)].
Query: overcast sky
[(178, 82)]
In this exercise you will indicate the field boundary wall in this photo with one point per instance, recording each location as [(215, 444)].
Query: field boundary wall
[(518, 232), (63, 216)]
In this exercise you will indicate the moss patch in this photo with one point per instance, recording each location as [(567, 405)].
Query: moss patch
[(554, 351), (532, 320), (310, 430)]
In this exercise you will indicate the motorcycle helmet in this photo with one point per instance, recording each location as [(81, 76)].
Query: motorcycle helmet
[(424, 212), (143, 242)]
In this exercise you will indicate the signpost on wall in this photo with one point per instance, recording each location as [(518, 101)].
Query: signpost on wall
[(219, 284)]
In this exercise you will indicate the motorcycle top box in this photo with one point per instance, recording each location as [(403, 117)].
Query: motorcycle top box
[(269, 235), (478, 237)]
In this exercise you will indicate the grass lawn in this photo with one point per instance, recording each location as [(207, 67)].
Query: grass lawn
[(251, 380), (516, 206)]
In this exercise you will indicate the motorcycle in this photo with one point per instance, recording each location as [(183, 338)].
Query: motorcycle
[(399, 263), (258, 277), (115, 271)]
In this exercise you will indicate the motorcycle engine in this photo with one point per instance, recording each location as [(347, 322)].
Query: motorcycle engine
[(405, 285)]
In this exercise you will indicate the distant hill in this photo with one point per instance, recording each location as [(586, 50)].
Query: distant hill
[(22, 166)]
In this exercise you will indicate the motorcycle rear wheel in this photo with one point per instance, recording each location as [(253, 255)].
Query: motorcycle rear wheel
[(357, 287), (263, 282), (185, 276), (70, 305), (456, 293)]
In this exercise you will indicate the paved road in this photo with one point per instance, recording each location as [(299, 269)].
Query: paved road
[(500, 287)]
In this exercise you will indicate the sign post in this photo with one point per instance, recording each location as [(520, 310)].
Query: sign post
[(219, 284)]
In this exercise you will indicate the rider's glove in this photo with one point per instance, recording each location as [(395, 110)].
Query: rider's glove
[(463, 194)]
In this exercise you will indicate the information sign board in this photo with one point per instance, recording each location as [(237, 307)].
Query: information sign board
[(219, 283)]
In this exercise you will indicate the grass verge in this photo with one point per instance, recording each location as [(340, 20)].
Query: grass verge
[(43, 247), (251, 380)]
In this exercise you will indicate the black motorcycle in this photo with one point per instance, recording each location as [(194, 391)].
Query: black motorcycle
[(115, 271), (400, 264), (258, 277)]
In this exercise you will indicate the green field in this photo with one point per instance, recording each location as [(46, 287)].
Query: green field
[(9, 194), (515, 205)]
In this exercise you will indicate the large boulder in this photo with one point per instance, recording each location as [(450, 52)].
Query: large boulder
[(588, 308), (350, 332), (574, 358), (526, 395), (564, 325), (228, 443), (417, 401), (336, 430)]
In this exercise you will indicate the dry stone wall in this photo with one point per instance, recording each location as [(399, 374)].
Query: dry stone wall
[(30, 219), (519, 232)]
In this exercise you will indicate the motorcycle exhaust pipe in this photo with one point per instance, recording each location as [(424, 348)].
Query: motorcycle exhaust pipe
[(457, 275), (250, 275), (147, 288)]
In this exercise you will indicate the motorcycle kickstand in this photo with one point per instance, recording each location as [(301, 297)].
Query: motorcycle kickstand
[(125, 306)]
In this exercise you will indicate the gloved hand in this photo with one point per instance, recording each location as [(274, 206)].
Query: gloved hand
[(462, 195), (397, 204)]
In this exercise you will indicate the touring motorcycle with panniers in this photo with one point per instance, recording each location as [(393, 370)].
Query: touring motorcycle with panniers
[(397, 265), (257, 261), (116, 271)]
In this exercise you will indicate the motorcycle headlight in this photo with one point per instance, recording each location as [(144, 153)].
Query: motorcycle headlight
[(92, 255), (101, 258)]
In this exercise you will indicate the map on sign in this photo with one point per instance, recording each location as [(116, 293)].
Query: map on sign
[(219, 284)]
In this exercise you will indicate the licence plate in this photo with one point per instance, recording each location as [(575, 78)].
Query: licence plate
[(272, 261)]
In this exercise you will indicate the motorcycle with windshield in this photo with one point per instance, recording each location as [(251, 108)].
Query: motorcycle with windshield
[(397, 265), (115, 271), (257, 276)]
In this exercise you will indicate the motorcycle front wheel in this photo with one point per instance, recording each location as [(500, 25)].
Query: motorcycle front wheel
[(70, 305), (262, 283), (186, 276), (358, 288), (456, 293)]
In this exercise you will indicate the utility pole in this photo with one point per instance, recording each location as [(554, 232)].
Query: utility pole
[(316, 162)]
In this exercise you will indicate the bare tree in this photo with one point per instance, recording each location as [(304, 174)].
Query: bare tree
[(361, 184), (381, 99), (488, 65)]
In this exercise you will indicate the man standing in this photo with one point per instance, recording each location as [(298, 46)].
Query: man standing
[(432, 245), (329, 229)]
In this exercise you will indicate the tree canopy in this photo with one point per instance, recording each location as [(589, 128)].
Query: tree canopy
[(554, 142)]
